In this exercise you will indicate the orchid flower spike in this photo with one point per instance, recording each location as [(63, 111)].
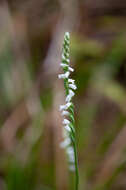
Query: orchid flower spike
[(67, 110)]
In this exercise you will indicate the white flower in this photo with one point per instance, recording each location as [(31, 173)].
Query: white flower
[(67, 34), (68, 104), (68, 132), (65, 113), (65, 143), (67, 54), (67, 60), (63, 65), (65, 107), (71, 81), (70, 153), (67, 48), (65, 133), (71, 158), (73, 86), (62, 107), (63, 57), (66, 122), (71, 69), (69, 96), (67, 127), (66, 40), (70, 150), (65, 75)]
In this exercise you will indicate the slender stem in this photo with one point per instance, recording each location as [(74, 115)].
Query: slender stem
[(76, 167)]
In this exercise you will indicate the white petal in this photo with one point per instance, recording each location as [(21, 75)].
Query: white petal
[(63, 57), (67, 48), (65, 133), (71, 92), (71, 157), (68, 104), (67, 54), (67, 60), (67, 41), (65, 113), (65, 143), (67, 34), (71, 69), (71, 81), (70, 150), (66, 121), (65, 75), (60, 76), (63, 65), (62, 107), (73, 86), (65, 107), (69, 96), (67, 127)]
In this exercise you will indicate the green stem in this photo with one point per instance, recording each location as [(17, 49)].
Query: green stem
[(76, 168)]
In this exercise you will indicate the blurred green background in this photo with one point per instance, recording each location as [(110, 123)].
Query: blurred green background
[(31, 35)]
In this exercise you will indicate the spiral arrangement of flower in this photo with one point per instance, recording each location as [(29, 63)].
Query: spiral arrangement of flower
[(67, 110)]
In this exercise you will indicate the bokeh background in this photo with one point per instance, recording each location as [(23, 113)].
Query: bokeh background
[(31, 35)]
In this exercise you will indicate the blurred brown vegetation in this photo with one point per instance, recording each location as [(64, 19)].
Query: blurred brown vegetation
[(31, 34)]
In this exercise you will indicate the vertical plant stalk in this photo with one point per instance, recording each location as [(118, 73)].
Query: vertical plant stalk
[(67, 111)]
